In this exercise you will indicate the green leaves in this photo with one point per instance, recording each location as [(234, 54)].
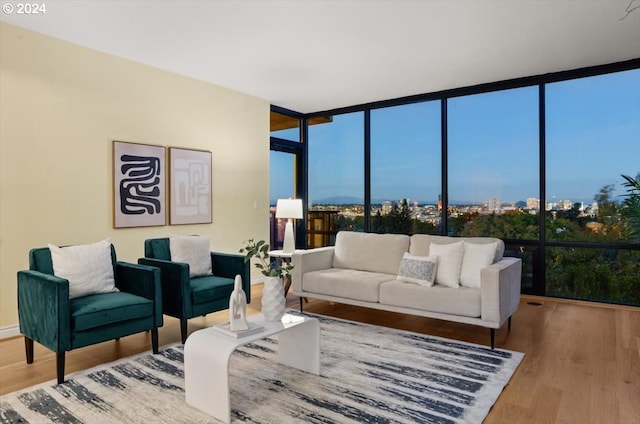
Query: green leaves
[(260, 251), (631, 206)]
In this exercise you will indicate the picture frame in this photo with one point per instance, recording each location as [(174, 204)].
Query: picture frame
[(190, 196), (139, 185)]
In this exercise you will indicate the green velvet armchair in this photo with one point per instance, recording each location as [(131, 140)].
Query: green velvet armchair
[(48, 316), (185, 297)]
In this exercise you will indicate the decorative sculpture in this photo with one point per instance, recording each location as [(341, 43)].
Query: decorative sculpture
[(238, 307)]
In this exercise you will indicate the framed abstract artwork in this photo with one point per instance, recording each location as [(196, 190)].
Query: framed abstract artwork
[(189, 186), (139, 185)]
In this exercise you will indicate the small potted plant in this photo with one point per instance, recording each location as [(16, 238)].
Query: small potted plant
[(273, 292)]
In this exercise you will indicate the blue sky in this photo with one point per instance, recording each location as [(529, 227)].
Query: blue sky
[(593, 136)]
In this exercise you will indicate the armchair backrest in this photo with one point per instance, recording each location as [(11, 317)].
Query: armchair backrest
[(157, 248), (40, 260)]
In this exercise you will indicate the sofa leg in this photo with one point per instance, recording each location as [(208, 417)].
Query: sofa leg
[(183, 329), (300, 304), (28, 349), (154, 340), (60, 366), (509, 324), (493, 338)]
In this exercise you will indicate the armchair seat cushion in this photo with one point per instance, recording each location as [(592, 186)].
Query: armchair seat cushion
[(103, 309), (209, 288)]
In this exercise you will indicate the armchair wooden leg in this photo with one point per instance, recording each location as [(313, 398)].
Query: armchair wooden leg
[(28, 349), (183, 329), (154, 340), (60, 366), (509, 325), (493, 338)]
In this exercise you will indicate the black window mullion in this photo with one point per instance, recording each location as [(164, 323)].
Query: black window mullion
[(367, 170), (444, 197)]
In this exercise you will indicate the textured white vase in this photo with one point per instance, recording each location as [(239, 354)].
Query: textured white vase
[(272, 299)]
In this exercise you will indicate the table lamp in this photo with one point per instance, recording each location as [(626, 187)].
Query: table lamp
[(289, 209)]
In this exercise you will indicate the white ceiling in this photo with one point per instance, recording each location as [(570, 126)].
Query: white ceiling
[(310, 56)]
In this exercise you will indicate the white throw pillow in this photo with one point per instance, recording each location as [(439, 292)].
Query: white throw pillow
[(476, 256), (88, 267), (418, 269), (449, 262), (193, 250)]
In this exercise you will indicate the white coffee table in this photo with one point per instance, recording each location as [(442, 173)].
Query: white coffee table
[(207, 353)]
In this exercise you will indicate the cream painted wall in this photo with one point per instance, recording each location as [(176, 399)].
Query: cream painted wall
[(61, 106)]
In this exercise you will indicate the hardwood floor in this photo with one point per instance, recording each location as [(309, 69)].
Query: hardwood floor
[(581, 364)]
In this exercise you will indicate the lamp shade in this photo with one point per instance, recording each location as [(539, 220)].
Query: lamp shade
[(289, 208)]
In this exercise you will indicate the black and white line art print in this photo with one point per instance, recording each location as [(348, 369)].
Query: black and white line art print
[(139, 185)]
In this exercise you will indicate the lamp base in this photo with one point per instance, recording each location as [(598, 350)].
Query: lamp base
[(289, 244)]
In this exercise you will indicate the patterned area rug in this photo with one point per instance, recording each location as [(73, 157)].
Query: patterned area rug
[(368, 374)]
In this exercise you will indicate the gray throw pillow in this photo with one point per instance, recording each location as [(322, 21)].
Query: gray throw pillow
[(418, 269)]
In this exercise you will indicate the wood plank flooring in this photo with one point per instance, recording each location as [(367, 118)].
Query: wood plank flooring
[(582, 362)]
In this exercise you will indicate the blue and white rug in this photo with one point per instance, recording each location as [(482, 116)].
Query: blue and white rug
[(367, 374)]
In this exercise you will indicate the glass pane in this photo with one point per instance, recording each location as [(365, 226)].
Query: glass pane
[(493, 164), (609, 275), (336, 170), (528, 255), (405, 169), (593, 138), (282, 186)]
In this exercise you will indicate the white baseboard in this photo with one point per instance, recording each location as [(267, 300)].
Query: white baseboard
[(11, 331)]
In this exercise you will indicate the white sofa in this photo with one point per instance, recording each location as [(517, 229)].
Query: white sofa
[(363, 269)]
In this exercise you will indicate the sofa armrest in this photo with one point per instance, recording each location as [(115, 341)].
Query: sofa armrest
[(43, 309), (309, 260), (143, 281), (500, 290), (229, 265), (176, 285)]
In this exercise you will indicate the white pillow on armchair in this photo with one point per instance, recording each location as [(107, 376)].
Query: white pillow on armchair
[(87, 267), (193, 250)]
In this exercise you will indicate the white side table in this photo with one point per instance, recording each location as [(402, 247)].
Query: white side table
[(207, 353)]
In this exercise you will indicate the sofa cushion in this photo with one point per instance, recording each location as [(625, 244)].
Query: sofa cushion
[(449, 262), (418, 269), (107, 308), (348, 283), (370, 252), (420, 243), (476, 256), (462, 301)]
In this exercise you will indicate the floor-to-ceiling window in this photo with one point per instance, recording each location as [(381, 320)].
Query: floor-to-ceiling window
[(538, 162), (336, 170), (284, 170), (493, 169), (592, 139), (406, 169)]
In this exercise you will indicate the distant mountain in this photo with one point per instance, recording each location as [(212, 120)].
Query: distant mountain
[(351, 200), (339, 200)]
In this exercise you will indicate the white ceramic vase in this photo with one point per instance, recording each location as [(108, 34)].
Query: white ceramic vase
[(272, 299)]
